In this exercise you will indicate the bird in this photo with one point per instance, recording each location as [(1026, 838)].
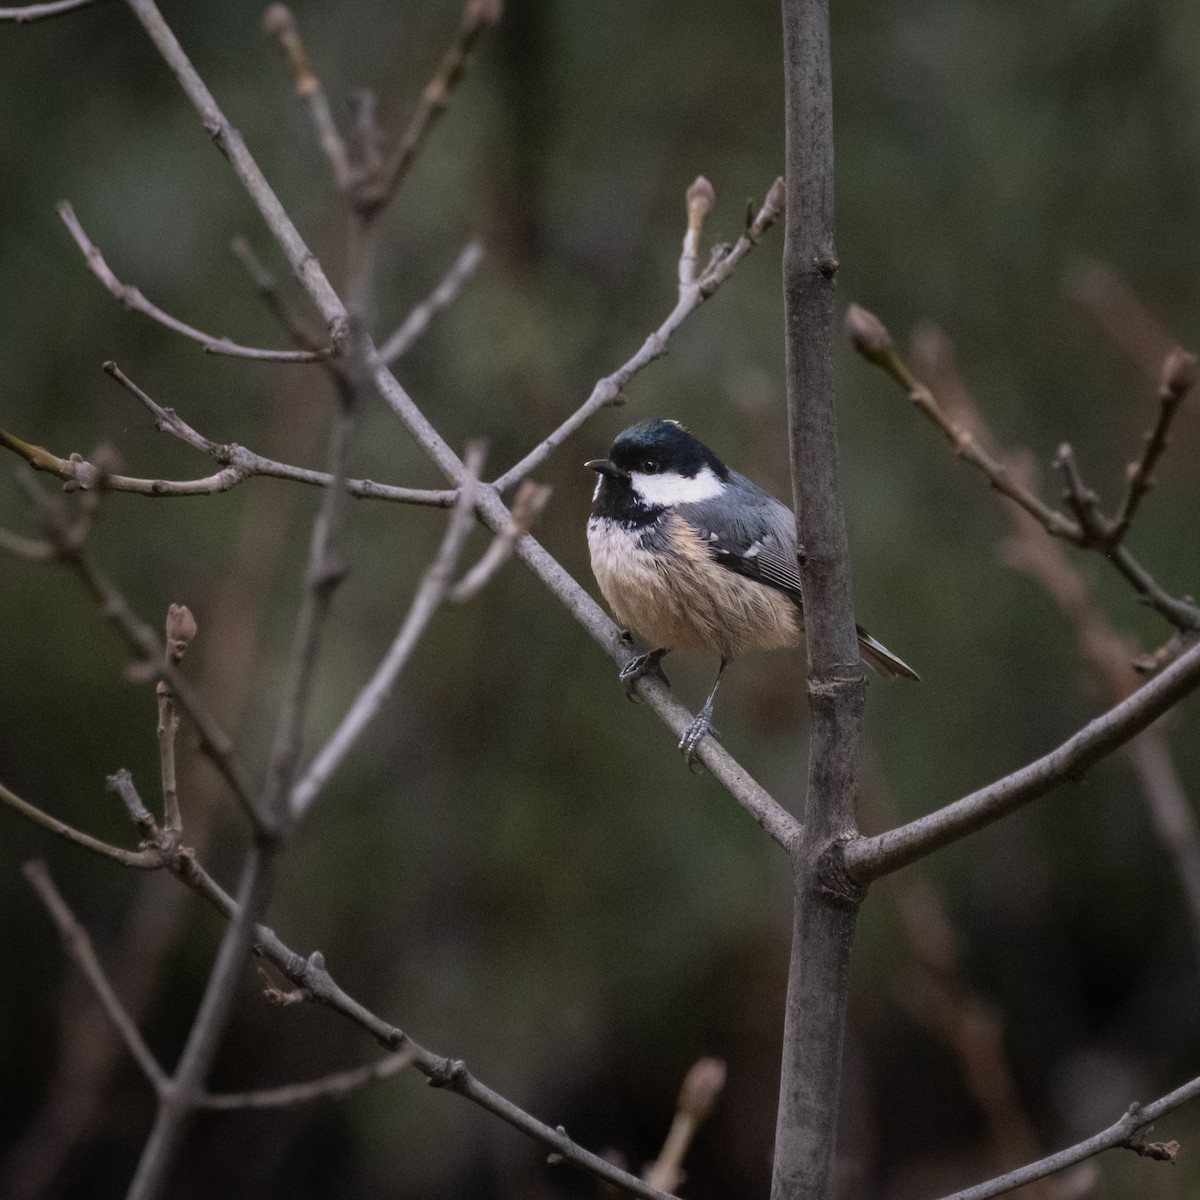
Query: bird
[(696, 557)]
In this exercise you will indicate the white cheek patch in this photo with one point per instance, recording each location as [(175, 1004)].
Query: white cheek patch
[(671, 488), (596, 491)]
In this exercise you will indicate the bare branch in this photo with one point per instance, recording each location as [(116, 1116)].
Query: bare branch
[(280, 24), (1090, 528), (180, 629), (417, 321), (697, 1097), (608, 390), (528, 503), (334, 1086), (429, 597), (142, 639), (35, 12), (376, 191), (1128, 1133), (79, 949), (1176, 382), (312, 976), (146, 860), (871, 339), (267, 288), (132, 298), (756, 800), (868, 858), (240, 464)]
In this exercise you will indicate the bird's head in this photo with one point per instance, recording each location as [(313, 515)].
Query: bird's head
[(655, 465)]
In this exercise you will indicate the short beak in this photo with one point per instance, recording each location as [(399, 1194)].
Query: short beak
[(605, 466)]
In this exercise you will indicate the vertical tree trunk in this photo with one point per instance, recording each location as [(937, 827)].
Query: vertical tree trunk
[(826, 904)]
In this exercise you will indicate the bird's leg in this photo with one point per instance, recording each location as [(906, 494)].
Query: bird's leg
[(701, 727), (644, 664)]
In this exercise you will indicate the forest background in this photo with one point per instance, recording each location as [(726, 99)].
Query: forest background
[(515, 865)]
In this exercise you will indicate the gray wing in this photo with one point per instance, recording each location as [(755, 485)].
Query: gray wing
[(750, 533)]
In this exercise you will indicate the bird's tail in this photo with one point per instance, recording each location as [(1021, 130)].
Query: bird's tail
[(881, 660)]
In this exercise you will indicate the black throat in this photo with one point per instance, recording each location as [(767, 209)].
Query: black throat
[(617, 501)]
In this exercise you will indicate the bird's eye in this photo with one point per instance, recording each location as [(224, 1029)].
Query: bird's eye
[(651, 466)]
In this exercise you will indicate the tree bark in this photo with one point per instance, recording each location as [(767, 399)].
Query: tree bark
[(826, 902)]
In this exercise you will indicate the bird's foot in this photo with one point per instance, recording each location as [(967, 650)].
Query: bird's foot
[(644, 664), (697, 731)]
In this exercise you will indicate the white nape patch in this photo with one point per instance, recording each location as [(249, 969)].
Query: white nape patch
[(671, 488)]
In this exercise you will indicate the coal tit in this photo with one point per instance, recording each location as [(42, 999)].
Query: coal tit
[(693, 556)]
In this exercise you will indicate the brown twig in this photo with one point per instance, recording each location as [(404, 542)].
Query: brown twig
[(79, 949), (1090, 528), (376, 189), (180, 629), (698, 1095), (133, 299), (1176, 381), (871, 339), (280, 23), (608, 390), (527, 505)]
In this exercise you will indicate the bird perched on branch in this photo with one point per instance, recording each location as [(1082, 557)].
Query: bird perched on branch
[(694, 556)]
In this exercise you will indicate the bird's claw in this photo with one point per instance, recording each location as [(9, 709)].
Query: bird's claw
[(697, 731), (642, 665)]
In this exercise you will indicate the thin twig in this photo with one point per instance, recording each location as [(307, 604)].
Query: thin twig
[(866, 859), (78, 473), (35, 12), (78, 946), (180, 629), (418, 321), (429, 596), (377, 190), (280, 24), (697, 1097), (213, 740), (312, 976), (333, 1086), (871, 339), (608, 390), (80, 950), (1091, 528), (1128, 1133), (1177, 380), (267, 287), (145, 860), (133, 299), (528, 503)]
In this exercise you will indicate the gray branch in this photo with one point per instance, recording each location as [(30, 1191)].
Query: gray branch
[(869, 858)]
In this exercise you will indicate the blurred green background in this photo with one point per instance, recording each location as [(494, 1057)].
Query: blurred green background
[(515, 865)]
